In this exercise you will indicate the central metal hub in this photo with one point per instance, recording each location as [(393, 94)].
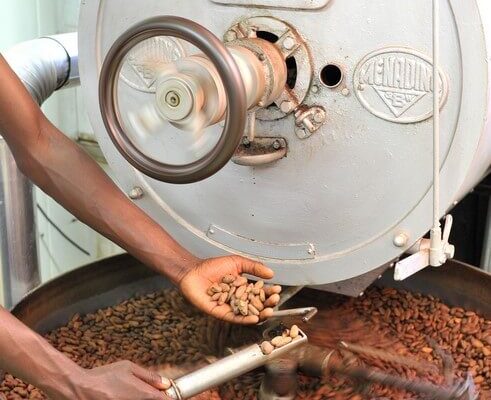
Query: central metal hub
[(190, 92), (178, 96), (295, 53), (172, 99)]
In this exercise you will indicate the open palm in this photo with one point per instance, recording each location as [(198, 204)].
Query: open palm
[(196, 282)]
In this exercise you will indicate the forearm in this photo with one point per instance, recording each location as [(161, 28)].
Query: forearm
[(29, 357), (66, 173)]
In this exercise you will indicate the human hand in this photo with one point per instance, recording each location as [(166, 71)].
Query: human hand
[(123, 381), (196, 282)]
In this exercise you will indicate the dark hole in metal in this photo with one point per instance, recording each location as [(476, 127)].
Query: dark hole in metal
[(291, 63), (331, 75)]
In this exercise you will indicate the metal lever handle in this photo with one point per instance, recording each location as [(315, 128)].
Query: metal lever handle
[(447, 228), (227, 369), (227, 68)]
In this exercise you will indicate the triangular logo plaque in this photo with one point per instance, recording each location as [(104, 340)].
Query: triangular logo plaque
[(399, 100)]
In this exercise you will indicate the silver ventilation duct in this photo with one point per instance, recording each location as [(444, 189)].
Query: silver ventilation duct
[(44, 66)]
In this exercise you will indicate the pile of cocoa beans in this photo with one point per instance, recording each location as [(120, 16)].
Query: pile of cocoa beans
[(162, 330), (244, 298)]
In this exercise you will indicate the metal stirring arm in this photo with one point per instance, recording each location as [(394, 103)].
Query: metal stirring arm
[(307, 313), (228, 368), (319, 362)]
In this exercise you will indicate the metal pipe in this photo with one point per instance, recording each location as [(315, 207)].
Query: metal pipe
[(436, 231), (43, 65), (19, 261), (227, 369)]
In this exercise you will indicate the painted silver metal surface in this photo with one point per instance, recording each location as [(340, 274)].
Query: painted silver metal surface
[(43, 65), (299, 251), (295, 4), (142, 64), (356, 183)]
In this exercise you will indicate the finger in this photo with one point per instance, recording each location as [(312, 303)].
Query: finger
[(151, 377), (241, 320), (145, 390), (265, 314), (270, 290), (256, 269), (226, 314), (272, 300)]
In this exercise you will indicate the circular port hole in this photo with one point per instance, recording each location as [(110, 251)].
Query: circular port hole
[(331, 75)]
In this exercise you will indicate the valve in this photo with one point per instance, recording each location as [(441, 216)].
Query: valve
[(192, 93), (427, 252)]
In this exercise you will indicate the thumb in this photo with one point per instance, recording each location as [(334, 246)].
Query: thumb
[(255, 268), (152, 378)]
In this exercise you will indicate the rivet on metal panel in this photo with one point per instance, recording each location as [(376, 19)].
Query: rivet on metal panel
[(230, 36), (286, 106), (136, 193), (289, 43), (400, 240)]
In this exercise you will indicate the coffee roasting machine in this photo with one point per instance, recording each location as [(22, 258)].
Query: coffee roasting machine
[(273, 130), (325, 138)]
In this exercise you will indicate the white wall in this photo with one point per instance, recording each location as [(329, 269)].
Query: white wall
[(22, 20)]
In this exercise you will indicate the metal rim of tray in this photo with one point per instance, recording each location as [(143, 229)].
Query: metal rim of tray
[(107, 282)]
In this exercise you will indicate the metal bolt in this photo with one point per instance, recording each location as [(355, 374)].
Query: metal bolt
[(400, 240), (309, 125), (286, 106), (310, 251), (136, 193), (276, 145), (211, 231), (172, 98), (230, 36), (261, 57), (319, 117), (315, 89), (345, 92), (246, 141), (289, 43)]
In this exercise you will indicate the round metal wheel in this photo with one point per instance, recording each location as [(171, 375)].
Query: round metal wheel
[(214, 49)]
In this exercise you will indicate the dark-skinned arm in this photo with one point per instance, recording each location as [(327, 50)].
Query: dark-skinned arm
[(66, 172), (29, 357)]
